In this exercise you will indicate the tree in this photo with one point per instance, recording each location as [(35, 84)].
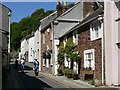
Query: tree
[(26, 26)]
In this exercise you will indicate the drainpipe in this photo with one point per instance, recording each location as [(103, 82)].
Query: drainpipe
[(52, 57), (102, 51)]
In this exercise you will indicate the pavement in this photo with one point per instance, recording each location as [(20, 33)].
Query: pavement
[(64, 80), (67, 82)]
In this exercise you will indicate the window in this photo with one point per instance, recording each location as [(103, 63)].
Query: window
[(75, 37), (96, 28), (43, 38), (65, 40), (89, 59), (48, 29)]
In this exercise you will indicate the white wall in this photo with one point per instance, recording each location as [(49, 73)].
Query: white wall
[(24, 47), (31, 55), (55, 56), (111, 48), (36, 45)]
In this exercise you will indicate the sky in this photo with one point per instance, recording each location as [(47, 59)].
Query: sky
[(23, 9)]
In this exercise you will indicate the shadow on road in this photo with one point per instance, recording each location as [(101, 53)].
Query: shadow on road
[(27, 81)]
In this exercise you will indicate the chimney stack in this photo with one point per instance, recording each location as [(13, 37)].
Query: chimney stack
[(65, 7), (59, 8)]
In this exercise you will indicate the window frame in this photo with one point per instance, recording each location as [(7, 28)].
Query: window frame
[(87, 62), (96, 24)]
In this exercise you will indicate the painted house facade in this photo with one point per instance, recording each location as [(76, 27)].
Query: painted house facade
[(31, 49), (24, 48), (36, 44), (112, 42)]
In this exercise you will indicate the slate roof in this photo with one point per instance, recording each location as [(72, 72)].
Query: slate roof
[(87, 20), (47, 20), (68, 20), (76, 10)]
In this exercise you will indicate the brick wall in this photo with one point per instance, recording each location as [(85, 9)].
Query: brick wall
[(48, 42), (87, 8), (84, 43)]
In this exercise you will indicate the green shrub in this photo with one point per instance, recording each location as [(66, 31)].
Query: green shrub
[(69, 72), (75, 76), (60, 72)]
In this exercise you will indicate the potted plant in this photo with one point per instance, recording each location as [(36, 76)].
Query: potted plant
[(69, 73), (87, 73), (75, 76), (60, 73)]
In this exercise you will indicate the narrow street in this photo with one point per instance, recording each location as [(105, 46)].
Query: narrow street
[(17, 79)]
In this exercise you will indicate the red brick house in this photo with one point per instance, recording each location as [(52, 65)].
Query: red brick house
[(46, 43)]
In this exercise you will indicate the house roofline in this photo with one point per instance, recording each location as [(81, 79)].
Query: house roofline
[(6, 7), (67, 11), (48, 16), (83, 22)]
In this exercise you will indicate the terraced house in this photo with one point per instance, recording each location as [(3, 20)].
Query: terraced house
[(83, 25), (46, 33)]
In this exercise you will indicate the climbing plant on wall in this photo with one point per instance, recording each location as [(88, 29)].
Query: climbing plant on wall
[(75, 56), (61, 53), (69, 47)]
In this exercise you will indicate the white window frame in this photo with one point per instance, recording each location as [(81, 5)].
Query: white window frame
[(87, 60), (96, 24), (65, 41), (75, 37)]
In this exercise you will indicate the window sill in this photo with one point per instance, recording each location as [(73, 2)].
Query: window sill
[(96, 39)]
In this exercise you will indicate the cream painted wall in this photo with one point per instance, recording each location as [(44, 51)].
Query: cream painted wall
[(31, 54), (111, 39)]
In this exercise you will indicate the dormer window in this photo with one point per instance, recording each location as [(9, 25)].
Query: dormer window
[(96, 29)]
